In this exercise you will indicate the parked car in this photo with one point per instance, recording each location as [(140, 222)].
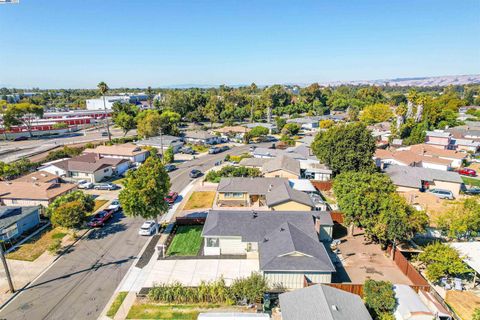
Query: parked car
[(224, 140), (104, 134), (172, 196), (85, 185), (106, 186), (100, 218), (442, 193), (195, 173), (467, 172), (224, 148), (214, 150), (252, 148), (187, 150), (148, 228), (170, 167), (115, 205), (21, 138), (472, 191)]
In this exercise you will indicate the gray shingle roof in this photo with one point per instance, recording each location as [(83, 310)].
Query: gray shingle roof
[(88, 162), (284, 193), (10, 215), (253, 162), (287, 232), (317, 303), (198, 135), (407, 176), (282, 163)]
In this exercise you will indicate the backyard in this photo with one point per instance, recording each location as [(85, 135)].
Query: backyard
[(200, 199), (37, 245), (186, 242)]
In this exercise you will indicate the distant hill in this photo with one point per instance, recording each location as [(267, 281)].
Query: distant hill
[(417, 81)]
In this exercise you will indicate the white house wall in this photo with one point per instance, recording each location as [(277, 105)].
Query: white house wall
[(294, 280)]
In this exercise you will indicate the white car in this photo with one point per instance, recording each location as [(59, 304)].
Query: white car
[(85, 185), (115, 205), (147, 228)]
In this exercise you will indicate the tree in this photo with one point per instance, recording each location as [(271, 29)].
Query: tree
[(86, 201), (345, 147), (379, 298), (462, 219), (150, 95), (168, 122), (258, 131), (145, 189), (69, 215), (168, 156), (476, 314), (442, 260), (60, 125), (280, 122), (291, 129), (148, 123), (22, 114), (126, 122), (326, 124), (376, 113), (213, 109), (103, 88)]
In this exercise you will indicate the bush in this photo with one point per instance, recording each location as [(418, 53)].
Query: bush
[(250, 289), (88, 204), (379, 298), (14, 169), (476, 314), (232, 171), (55, 247), (65, 152), (69, 215)]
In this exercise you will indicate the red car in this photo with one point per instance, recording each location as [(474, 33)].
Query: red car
[(172, 196), (467, 172), (100, 218)]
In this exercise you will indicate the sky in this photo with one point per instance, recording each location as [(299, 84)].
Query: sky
[(139, 43)]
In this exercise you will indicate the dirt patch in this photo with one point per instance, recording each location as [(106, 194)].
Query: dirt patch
[(463, 303)]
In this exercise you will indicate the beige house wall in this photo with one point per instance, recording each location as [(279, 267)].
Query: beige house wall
[(280, 174), (291, 206), (454, 187)]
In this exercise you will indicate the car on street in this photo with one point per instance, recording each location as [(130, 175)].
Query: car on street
[(106, 186), (214, 150), (148, 228), (187, 150), (224, 148), (252, 148), (172, 196), (442, 193), (104, 134), (85, 185), (115, 205), (170, 167), (21, 138), (195, 173), (467, 172), (472, 191), (100, 218)]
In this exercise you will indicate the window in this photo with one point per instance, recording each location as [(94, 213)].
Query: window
[(106, 170), (233, 195), (213, 242), (75, 174)]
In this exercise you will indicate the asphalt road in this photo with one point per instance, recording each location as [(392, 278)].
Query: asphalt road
[(81, 282)]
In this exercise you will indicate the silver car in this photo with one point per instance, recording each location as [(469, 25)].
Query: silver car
[(442, 193)]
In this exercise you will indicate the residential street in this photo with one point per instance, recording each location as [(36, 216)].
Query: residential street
[(80, 283)]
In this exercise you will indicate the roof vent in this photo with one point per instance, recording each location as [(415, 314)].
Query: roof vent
[(43, 174), (282, 229), (334, 307), (254, 214), (265, 239)]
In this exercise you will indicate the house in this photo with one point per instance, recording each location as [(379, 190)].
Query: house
[(468, 145), (316, 171), (301, 153), (15, 221), (322, 302), (89, 166), (415, 178), (408, 158), (455, 157), (127, 151), (254, 162), (13, 193), (286, 243), (261, 193), (40, 176), (409, 305), (164, 141), (200, 137), (233, 132), (282, 167), (438, 138), (307, 123)]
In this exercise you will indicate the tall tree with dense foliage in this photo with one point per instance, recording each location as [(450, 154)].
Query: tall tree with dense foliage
[(291, 129), (346, 148), (379, 298), (22, 114), (145, 189), (462, 219), (86, 201), (169, 155), (69, 215), (376, 113), (103, 88), (442, 260), (148, 123)]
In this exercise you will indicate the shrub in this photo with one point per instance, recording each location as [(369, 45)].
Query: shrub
[(86, 200), (54, 248), (250, 289), (232, 171), (69, 215), (379, 298), (65, 152)]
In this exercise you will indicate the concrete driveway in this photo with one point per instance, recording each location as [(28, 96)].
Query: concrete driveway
[(192, 272)]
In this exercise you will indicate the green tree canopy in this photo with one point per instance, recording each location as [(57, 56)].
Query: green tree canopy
[(168, 155), (258, 131), (379, 298), (291, 129), (148, 123), (22, 114), (69, 215), (376, 113), (84, 199), (145, 189), (462, 219), (346, 148)]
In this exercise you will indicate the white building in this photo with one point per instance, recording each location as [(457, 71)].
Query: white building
[(97, 104)]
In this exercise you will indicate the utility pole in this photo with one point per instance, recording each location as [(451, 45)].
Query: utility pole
[(7, 271)]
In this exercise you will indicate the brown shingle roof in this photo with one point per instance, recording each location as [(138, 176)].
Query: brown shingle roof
[(431, 151), (89, 162), (36, 191), (38, 176)]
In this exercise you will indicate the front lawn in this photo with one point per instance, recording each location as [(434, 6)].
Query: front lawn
[(37, 245), (471, 182), (98, 204), (200, 199), (186, 242), (116, 304), (198, 148), (159, 311)]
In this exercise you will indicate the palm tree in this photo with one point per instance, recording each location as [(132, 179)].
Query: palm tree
[(150, 96), (103, 88), (253, 89)]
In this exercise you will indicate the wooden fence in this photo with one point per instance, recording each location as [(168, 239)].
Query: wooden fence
[(408, 269)]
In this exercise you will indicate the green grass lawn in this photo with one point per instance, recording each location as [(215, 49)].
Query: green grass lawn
[(34, 247), (200, 199), (187, 241), (471, 182), (116, 304), (158, 311)]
